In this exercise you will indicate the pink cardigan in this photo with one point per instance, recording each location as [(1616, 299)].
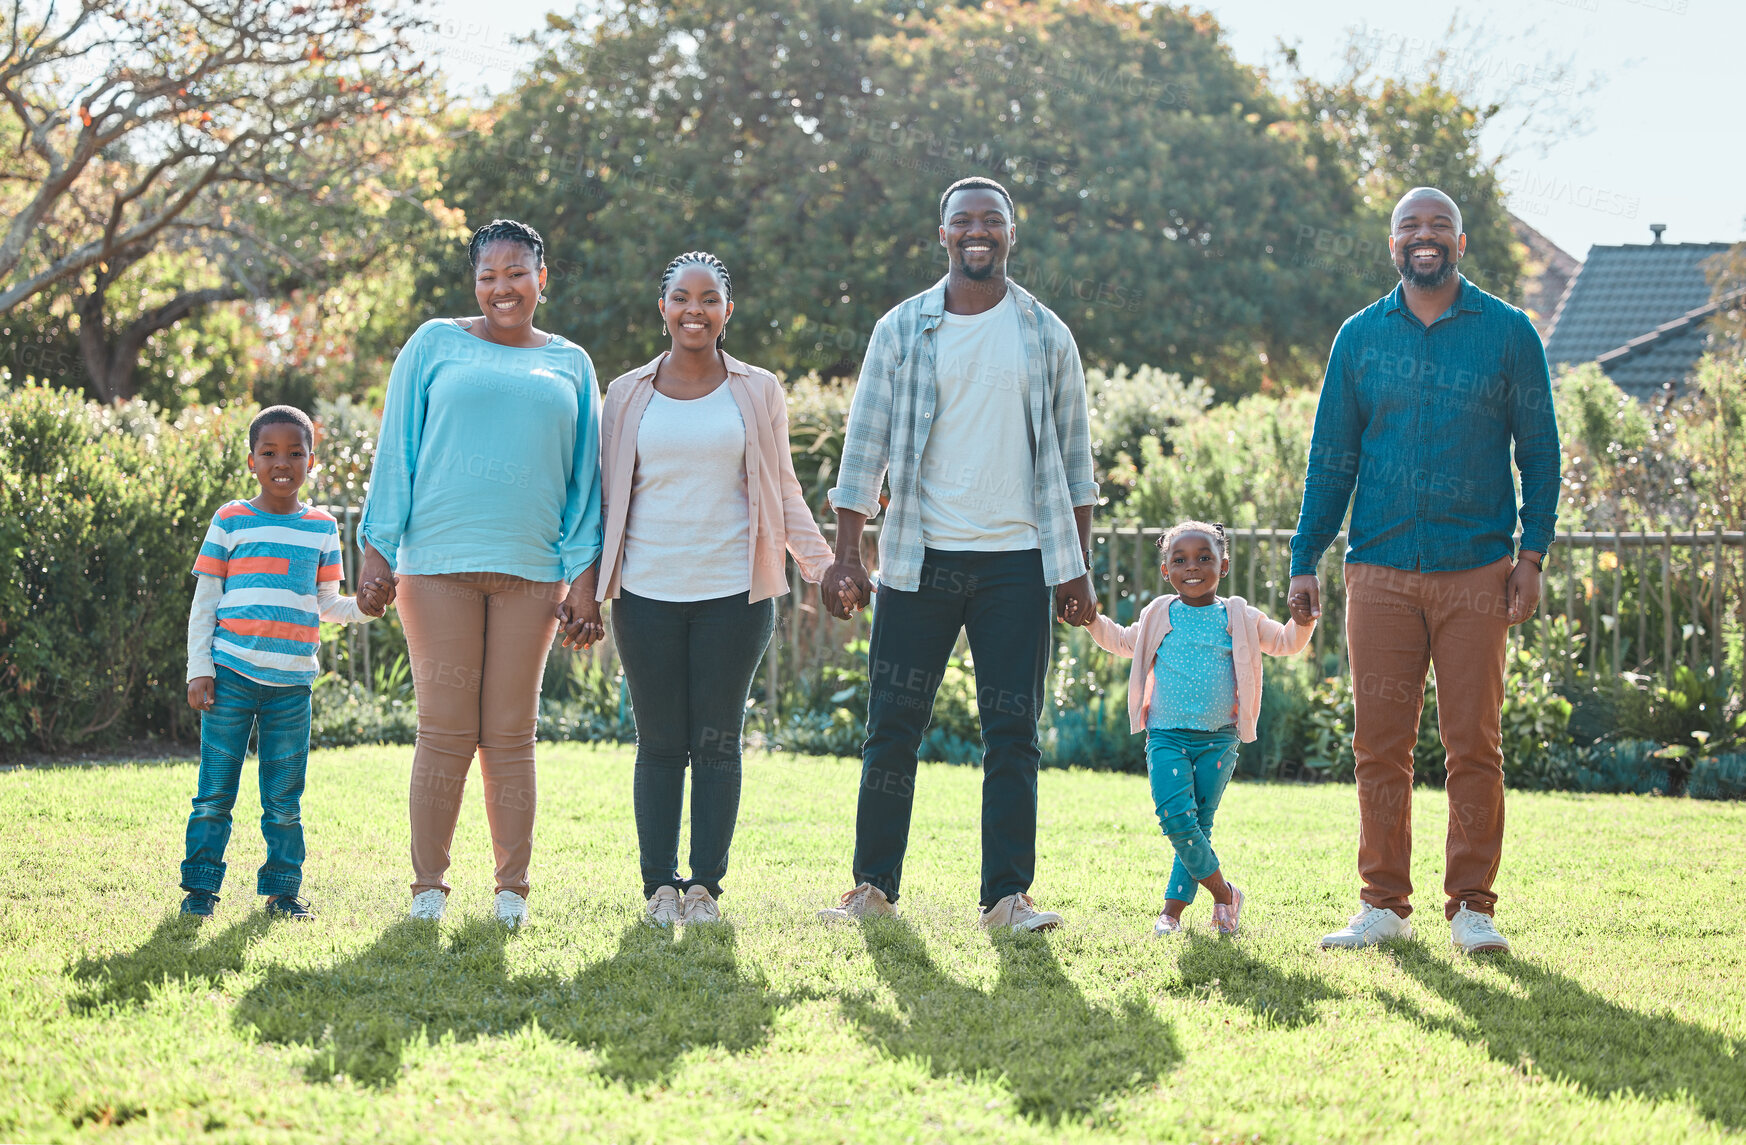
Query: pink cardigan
[(1251, 634), (780, 517)]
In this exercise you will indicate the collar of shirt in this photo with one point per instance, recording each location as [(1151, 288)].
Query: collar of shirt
[(1468, 300)]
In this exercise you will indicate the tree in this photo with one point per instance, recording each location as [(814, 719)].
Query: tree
[(1159, 185), (179, 155)]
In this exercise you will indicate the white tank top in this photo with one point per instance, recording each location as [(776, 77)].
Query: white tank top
[(689, 526)]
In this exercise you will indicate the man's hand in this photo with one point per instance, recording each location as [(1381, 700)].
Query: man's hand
[(579, 622), (1523, 589), (202, 693), (846, 588), (1304, 598), (376, 571), (1075, 603)]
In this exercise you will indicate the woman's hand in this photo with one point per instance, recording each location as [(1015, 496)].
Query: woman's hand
[(579, 623), (377, 572)]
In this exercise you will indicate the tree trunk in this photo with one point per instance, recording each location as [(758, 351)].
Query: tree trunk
[(110, 380)]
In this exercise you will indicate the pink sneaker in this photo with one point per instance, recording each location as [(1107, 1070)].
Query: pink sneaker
[(1224, 918)]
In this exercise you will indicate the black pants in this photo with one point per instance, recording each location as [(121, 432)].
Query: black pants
[(1000, 600), (689, 667)]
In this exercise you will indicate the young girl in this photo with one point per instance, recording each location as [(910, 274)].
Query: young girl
[(1195, 690)]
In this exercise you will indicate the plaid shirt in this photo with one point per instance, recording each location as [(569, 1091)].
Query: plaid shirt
[(893, 411)]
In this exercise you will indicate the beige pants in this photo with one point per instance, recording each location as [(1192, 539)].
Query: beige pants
[(478, 644)]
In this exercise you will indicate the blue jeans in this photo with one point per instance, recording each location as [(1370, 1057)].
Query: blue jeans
[(1189, 771), (282, 716), (689, 668)]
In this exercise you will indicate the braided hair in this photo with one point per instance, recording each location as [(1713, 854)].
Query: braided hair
[(716, 267), (505, 230), (1182, 528)]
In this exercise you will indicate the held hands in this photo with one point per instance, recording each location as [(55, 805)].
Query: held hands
[(1304, 598), (1075, 603), (846, 588), (579, 623), (374, 596), (202, 693)]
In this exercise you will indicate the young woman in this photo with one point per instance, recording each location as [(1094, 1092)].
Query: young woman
[(485, 499), (701, 502)]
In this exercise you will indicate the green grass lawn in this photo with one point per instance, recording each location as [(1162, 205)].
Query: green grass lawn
[(1621, 1016)]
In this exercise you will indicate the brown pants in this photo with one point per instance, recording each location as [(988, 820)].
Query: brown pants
[(478, 644), (1398, 624)]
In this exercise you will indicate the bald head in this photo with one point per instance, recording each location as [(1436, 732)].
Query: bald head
[(1427, 201)]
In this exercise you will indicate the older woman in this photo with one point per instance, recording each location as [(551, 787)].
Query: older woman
[(485, 500), (701, 502)]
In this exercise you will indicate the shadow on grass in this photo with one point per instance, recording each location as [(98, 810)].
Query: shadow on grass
[(173, 952), (1283, 999), (1058, 1054), (1568, 1032), (655, 999)]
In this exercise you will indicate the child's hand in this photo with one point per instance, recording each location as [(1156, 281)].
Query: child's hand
[(849, 599), (1299, 604), (1072, 610), (202, 693), (373, 597)]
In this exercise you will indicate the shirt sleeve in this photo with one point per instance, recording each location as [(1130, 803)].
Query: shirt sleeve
[(1333, 463), (580, 544), (388, 505), (1073, 422), (337, 609), (330, 570), (867, 437), (1534, 425), (203, 625), (811, 551), (214, 557)]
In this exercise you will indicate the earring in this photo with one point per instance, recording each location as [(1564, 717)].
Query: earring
[(542, 296)]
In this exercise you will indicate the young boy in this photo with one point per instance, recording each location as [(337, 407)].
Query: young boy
[(269, 567)]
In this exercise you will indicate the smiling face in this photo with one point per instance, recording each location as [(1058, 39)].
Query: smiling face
[(978, 232), (280, 460), (695, 307), (507, 282), (1194, 566), (1426, 241)]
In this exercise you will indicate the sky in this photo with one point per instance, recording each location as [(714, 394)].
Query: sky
[(1639, 122)]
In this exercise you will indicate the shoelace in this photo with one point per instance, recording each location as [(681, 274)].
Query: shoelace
[(1023, 907), (856, 897), (1482, 927)]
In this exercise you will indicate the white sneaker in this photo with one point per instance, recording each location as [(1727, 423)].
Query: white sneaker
[(1166, 926), (698, 906), (663, 907), (1475, 933), (429, 904), (1224, 918), (1371, 925), (1016, 912), (510, 909), (865, 901)]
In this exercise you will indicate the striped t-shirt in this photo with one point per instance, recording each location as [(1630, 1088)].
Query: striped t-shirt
[(270, 564)]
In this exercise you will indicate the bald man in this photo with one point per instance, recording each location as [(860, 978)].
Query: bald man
[(1427, 392)]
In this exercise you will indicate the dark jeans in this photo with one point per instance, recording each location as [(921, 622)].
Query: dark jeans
[(689, 666), (240, 705), (1001, 602)]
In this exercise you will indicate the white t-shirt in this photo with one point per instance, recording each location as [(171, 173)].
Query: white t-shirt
[(689, 525), (978, 468)]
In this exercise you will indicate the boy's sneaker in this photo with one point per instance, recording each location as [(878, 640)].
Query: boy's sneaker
[(1016, 912), (1225, 918), (865, 901), (429, 904), (1476, 933), (199, 903), (289, 906), (1166, 926), (663, 907), (699, 906), (1371, 925), (510, 909)]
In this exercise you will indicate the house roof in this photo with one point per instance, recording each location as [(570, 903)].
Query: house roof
[(1546, 274), (1638, 310)]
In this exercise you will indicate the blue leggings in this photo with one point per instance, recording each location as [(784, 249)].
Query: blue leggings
[(1189, 770)]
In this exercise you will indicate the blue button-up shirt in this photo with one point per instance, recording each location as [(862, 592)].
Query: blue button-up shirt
[(1418, 422)]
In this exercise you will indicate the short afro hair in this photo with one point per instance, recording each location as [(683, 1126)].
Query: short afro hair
[(975, 183), (282, 415)]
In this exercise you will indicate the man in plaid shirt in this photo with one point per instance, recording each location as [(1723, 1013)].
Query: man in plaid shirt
[(971, 402)]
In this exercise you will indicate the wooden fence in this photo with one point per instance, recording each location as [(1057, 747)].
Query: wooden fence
[(1632, 602)]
